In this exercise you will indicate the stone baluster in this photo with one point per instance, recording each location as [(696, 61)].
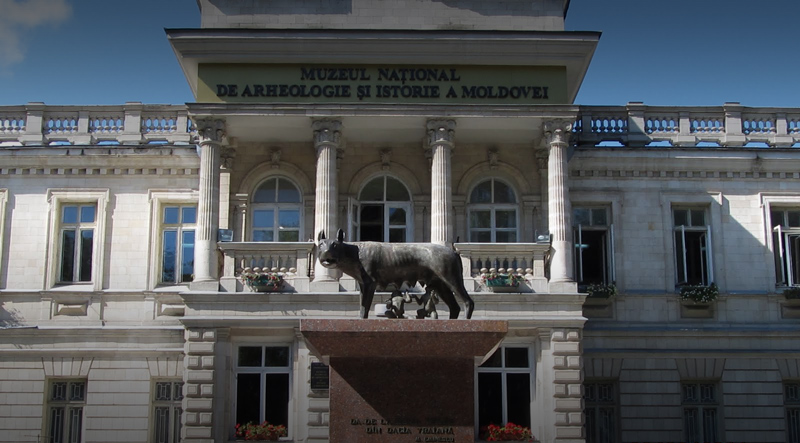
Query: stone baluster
[(441, 137), (327, 140), (559, 207), (212, 133)]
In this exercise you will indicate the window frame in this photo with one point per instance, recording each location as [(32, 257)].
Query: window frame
[(276, 207), (609, 264), (59, 198), (180, 228), (355, 205), (493, 207), (3, 200), (68, 404), (598, 405), (682, 272), (175, 409), (783, 250), (792, 411), (530, 370), (702, 407), (159, 199), (263, 371)]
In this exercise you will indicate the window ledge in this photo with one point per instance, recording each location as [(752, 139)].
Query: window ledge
[(84, 287)]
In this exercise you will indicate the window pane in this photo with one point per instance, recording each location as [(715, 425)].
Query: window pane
[(505, 219), (87, 214), (187, 256), (480, 219), (263, 236), (67, 255), (516, 358), (75, 426), (169, 249), (59, 391), (56, 425), (503, 193), (277, 399), (495, 361), (163, 391), (397, 216), (490, 399), (87, 240), (776, 218), (77, 391), (395, 191), (794, 219), (189, 214), (518, 391), (250, 356), (266, 192), (480, 236), (482, 193), (248, 398), (170, 215), (69, 214), (698, 217), (263, 218), (581, 216), (397, 235), (288, 235), (599, 217), (506, 236), (276, 356), (176, 425), (161, 425), (288, 218), (681, 217), (287, 192), (177, 391), (373, 191)]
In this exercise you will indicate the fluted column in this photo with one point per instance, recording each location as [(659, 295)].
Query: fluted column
[(327, 140), (558, 204), (441, 135), (211, 133)]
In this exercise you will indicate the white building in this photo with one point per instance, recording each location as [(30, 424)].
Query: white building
[(125, 317)]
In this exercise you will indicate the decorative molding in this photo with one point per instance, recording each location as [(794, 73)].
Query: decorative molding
[(700, 368), (227, 156), (36, 171), (441, 132), (386, 158), (275, 157), (492, 156), (557, 132), (67, 366), (210, 130), (327, 132), (683, 174)]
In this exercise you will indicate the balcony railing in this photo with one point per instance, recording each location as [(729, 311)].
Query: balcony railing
[(525, 260), (36, 124), (730, 125)]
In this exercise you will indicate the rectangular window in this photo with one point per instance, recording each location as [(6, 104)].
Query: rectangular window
[(593, 236), (601, 412), (786, 245), (177, 243), (167, 397), (263, 384), (700, 406), (504, 388), (791, 398), (693, 255), (65, 402), (77, 230)]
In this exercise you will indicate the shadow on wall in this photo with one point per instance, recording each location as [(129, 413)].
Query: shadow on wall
[(315, 7), (9, 318)]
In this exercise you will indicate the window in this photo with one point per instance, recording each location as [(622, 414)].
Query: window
[(786, 245), (493, 213), (700, 412), (601, 412), (167, 396), (382, 212), (693, 255), (276, 211), (504, 388), (263, 384), (791, 398), (76, 243), (65, 404), (593, 236), (177, 243)]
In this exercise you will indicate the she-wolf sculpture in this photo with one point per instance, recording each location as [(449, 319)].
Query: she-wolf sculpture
[(377, 265)]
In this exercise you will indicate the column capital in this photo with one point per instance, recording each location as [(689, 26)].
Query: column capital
[(441, 132), (210, 130), (327, 132), (557, 132)]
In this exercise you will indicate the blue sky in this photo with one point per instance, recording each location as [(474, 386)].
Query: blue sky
[(677, 52)]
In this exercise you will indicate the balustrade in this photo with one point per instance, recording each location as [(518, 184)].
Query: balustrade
[(292, 260)]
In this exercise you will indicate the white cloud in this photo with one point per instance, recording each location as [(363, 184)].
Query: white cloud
[(20, 16)]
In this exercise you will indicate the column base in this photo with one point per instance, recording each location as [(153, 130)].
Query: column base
[(324, 286), (562, 287), (204, 286)]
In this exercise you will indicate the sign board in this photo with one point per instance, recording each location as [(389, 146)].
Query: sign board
[(320, 376), (406, 84)]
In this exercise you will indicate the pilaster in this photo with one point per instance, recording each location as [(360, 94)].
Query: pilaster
[(327, 143), (559, 207), (201, 423), (441, 138), (212, 134), (568, 382)]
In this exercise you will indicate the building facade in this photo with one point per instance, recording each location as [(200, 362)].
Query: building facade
[(156, 260)]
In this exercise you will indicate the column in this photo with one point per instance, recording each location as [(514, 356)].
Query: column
[(327, 140), (441, 135), (211, 134), (558, 204)]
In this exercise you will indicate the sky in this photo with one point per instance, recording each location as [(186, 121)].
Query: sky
[(666, 53)]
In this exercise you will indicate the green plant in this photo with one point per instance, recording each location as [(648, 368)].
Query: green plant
[(601, 291), (699, 293), (792, 293), (271, 281), (509, 432), (495, 279), (263, 432)]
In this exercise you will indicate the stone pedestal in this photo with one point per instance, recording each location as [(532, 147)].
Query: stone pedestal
[(402, 380)]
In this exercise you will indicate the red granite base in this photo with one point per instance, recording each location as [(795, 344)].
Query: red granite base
[(402, 380)]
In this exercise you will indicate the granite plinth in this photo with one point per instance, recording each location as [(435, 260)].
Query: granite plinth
[(402, 380)]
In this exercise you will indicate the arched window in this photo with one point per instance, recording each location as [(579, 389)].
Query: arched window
[(276, 213), (382, 212), (493, 213)]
